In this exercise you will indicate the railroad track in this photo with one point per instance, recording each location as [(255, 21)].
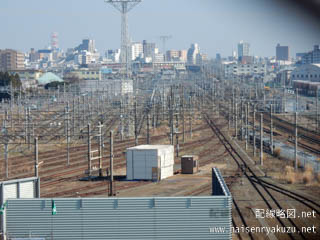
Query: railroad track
[(305, 134), (249, 174)]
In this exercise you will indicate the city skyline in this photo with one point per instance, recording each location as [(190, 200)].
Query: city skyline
[(32, 22)]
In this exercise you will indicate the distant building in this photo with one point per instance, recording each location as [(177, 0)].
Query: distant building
[(201, 58), (193, 51), (183, 55), (312, 56), (11, 60), (158, 58), (45, 54), (84, 74), (231, 68), (300, 55), (176, 55), (113, 55), (87, 45), (85, 58), (218, 57), (148, 49), (282, 53), (136, 50), (246, 60), (29, 77), (33, 55), (284, 77), (172, 55), (307, 72), (243, 49)]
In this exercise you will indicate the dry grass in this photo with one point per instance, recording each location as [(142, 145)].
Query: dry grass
[(277, 152), (306, 176), (318, 177), (290, 175)]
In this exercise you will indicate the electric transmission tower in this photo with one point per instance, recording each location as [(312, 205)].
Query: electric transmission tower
[(124, 6), (164, 40)]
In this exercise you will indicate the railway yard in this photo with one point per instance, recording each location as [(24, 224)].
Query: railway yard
[(66, 142)]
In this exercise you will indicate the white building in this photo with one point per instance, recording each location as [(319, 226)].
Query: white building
[(307, 72), (150, 162), (158, 57), (136, 50), (113, 55), (193, 51), (243, 49), (121, 87), (232, 68)]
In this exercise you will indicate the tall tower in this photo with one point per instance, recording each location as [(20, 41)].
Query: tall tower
[(124, 6), (164, 40), (54, 41)]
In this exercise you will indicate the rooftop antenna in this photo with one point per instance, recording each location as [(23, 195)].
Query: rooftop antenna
[(124, 6)]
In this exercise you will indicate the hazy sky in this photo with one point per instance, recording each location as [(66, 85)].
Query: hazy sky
[(217, 25)]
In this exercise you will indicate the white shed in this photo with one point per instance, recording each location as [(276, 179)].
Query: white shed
[(150, 162)]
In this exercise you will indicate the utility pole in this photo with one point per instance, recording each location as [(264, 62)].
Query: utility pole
[(190, 117), (229, 116), (254, 130), (29, 130), (247, 127), (121, 120), (111, 163), (6, 156), (36, 157), (135, 124), (261, 139), (297, 103), (236, 123), (241, 120), (177, 135), (68, 134), (89, 150), (317, 110), (73, 116), (100, 149), (171, 123), (148, 128), (271, 130), (296, 141)]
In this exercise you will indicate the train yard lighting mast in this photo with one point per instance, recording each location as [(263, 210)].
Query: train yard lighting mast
[(124, 6), (164, 40)]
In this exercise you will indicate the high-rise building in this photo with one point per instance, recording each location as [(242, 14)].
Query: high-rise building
[(136, 50), (148, 49), (201, 58), (193, 51), (183, 55), (312, 56), (172, 55), (243, 49), (113, 55), (176, 55), (282, 53), (33, 55), (11, 60), (87, 45)]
